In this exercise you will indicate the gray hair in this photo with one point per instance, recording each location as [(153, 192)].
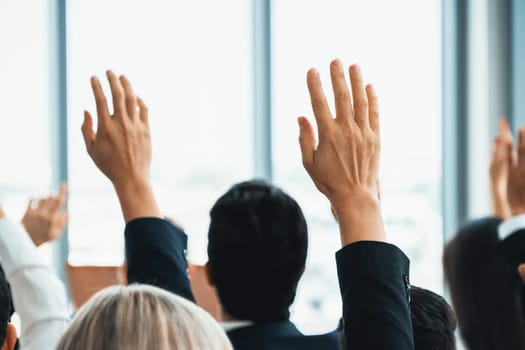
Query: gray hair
[(142, 317)]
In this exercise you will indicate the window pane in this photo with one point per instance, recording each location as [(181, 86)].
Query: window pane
[(190, 61), (24, 87), (400, 54)]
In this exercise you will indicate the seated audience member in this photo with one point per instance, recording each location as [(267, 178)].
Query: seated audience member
[(481, 263), (38, 295), (433, 321), (484, 293), (257, 246), (140, 317), (373, 274)]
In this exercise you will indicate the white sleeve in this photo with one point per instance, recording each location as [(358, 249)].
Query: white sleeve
[(511, 225), (38, 295)]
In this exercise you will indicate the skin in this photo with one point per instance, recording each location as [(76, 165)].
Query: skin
[(121, 146), (45, 218), (516, 183), (343, 162), (499, 171)]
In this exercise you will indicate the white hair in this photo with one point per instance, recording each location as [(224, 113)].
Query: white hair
[(142, 317)]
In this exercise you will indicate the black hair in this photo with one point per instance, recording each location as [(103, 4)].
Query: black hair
[(257, 245), (433, 321), (485, 294), (6, 305)]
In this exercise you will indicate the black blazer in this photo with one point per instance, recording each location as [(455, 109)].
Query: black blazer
[(513, 249), (373, 278)]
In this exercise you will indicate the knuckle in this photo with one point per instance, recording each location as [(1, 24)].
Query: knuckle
[(342, 95), (361, 104)]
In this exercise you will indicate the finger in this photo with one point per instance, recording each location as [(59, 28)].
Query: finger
[(61, 221), (45, 203), (521, 271), (521, 146), (322, 114), (87, 131), (373, 108), (59, 201), (34, 204), (131, 99), (306, 141), (343, 101), (359, 96), (504, 130), (101, 102), (143, 111), (117, 93), (31, 204)]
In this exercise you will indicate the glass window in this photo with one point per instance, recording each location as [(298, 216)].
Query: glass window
[(400, 55), (24, 86), (190, 61)]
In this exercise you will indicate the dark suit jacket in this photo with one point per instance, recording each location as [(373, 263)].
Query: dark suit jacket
[(513, 249), (373, 278)]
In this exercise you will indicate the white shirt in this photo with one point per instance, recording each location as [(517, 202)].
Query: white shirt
[(231, 325), (511, 225), (38, 295)]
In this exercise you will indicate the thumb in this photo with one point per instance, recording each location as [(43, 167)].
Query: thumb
[(306, 141), (87, 131)]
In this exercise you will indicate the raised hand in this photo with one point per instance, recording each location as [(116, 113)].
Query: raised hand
[(121, 146), (499, 170), (516, 181), (46, 218), (344, 163)]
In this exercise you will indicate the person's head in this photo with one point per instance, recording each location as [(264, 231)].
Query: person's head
[(257, 244), (8, 335), (433, 321), (142, 317), (485, 293)]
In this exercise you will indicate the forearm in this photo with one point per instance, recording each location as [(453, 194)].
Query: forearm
[(374, 282), (137, 199), (40, 300), (499, 204), (156, 254), (359, 218), (39, 296)]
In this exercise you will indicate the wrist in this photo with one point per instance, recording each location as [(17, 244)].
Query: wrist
[(517, 210), (354, 200), (137, 199), (359, 217)]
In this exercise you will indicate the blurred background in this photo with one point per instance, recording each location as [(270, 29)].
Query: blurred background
[(225, 81)]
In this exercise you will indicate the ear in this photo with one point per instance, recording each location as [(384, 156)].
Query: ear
[(10, 338), (209, 276)]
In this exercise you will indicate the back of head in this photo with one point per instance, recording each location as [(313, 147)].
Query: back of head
[(6, 305), (257, 245), (433, 321), (485, 294), (142, 317)]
